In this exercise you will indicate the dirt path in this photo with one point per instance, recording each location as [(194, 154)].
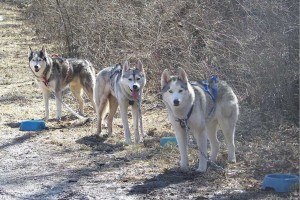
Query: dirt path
[(54, 164), (66, 162), (62, 162)]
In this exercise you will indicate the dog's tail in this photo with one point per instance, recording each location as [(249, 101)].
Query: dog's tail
[(98, 94)]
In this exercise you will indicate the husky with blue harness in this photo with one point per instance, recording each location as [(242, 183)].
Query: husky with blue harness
[(200, 108)]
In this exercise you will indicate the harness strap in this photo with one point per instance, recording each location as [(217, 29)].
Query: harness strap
[(206, 89), (114, 70), (210, 89), (68, 71)]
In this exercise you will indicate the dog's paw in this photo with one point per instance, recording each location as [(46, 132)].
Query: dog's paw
[(232, 160), (144, 134), (231, 156), (184, 167), (138, 140), (103, 135), (111, 134), (201, 170), (98, 133), (141, 141), (129, 142)]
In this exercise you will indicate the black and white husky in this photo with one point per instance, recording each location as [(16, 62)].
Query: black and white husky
[(192, 109), (120, 86), (54, 74)]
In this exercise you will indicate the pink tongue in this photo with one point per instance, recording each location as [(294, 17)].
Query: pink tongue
[(135, 95)]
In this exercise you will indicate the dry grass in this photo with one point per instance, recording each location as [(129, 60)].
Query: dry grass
[(241, 39), (253, 45)]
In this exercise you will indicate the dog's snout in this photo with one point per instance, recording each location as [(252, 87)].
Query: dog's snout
[(135, 87), (36, 67), (176, 102)]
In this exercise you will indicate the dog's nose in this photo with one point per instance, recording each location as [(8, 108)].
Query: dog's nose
[(135, 87), (176, 102), (36, 67)]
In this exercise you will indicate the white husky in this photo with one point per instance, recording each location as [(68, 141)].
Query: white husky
[(192, 108), (120, 85)]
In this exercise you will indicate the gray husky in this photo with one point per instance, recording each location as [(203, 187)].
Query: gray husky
[(120, 86), (192, 108), (54, 74)]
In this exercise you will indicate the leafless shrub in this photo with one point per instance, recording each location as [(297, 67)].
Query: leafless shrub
[(254, 45)]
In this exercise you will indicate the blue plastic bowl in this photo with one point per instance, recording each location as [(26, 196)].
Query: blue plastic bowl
[(280, 182), (168, 140), (32, 125)]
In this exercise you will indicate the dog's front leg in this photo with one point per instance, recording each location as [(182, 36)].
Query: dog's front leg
[(135, 116), (58, 100), (124, 116), (46, 96), (201, 139), (181, 137)]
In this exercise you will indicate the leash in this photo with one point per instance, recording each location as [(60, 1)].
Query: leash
[(64, 104)]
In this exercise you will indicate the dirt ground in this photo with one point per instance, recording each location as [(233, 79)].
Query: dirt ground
[(70, 162)]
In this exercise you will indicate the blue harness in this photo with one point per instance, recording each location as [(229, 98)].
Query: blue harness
[(211, 89)]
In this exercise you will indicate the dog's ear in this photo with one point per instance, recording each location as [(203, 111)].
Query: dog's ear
[(125, 67), (182, 75), (165, 78), (44, 52), (140, 66), (30, 52)]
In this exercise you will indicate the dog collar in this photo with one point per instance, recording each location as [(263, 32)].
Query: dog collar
[(45, 81), (183, 122)]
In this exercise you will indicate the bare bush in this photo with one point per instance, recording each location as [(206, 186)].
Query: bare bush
[(254, 45)]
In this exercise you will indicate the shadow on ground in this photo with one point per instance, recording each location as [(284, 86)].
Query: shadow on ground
[(19, 140), (169, 177), (98, 143)]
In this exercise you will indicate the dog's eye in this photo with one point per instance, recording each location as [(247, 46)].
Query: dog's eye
[(130, 79), (171, 91), (138, 78), (180, 91)]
